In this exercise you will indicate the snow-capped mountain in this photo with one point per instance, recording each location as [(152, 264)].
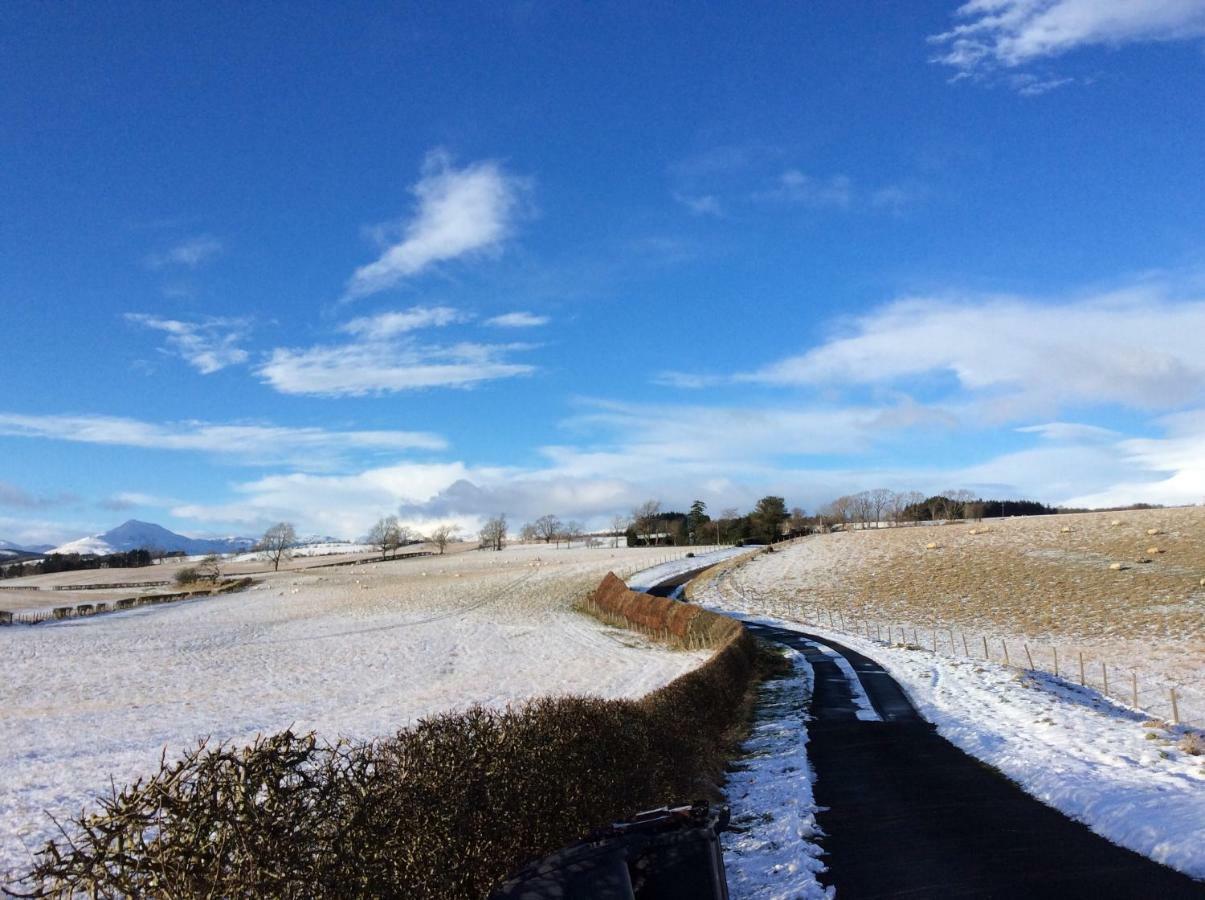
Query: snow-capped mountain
[(135, 535)]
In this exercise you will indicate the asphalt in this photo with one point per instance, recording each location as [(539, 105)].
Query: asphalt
[(906, 814)]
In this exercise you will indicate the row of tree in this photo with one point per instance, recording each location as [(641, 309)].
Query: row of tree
[(885, 506), (72, 562)]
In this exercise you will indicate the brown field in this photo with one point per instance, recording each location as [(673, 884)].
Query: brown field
[(1042, 581)]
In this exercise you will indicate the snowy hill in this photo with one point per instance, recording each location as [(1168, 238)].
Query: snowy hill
[(135, 535)]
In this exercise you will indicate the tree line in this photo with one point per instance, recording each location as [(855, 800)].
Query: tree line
[(885, 506), (72, 562)]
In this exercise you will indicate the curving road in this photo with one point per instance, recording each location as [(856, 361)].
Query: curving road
[(906, 814)]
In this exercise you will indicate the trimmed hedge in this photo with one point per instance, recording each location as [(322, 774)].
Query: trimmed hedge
[(681, 623), (445, 809)]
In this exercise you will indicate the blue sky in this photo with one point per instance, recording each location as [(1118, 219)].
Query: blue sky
[(291, 262)]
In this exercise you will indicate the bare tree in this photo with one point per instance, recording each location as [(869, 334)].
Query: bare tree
[(385, 535), (910, 505), (493, 533), (209, 569), (442, 535), (277, 543), (959, 500), (728, 515), (571, 531), (861, 508), (619, 524), (840, 510), (880, 502), (549, 527), (645, 519), (528, 533)]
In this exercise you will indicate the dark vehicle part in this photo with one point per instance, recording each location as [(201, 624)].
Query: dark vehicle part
[(670, 853)]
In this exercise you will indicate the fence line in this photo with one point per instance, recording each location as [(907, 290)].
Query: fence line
[(1117, 682)]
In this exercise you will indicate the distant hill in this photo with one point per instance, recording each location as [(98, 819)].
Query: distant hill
[(10, 552), (135, 535)]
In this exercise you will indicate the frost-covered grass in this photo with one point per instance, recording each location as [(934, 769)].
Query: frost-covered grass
[(770, 793), (1042, 581), (358, 651), (1099, 762)]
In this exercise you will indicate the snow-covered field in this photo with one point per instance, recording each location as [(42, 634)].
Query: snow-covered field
[(358, 651), (1097, 761)]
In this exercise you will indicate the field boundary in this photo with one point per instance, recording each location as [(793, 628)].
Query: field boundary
[(89, 610), (447, 808)]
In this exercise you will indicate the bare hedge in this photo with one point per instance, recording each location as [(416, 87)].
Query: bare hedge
[(447, 808)]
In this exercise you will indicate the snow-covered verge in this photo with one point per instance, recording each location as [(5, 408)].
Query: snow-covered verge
[(358, 651), (654, 575), (1098, 762), (770, 794)]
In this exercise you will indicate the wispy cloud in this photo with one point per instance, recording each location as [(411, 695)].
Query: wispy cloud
[(700, 204), (391, 324), (126, 500), (518, 319), (995, 34), (208, 345), (459, 211), (796, 187), (188, 254), (384, 356), (378, 367), (258, 444)]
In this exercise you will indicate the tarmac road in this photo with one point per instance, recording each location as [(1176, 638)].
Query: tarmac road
[(906, 814)]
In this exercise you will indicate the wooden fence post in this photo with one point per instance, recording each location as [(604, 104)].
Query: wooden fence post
[(1104, 668), (1004, 644), (1175, 708), (1056, 662), (1028, 656), (986, 655), (965, 648), (1082, 681), (1134, 687)]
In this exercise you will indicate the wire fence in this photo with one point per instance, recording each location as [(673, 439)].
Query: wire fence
[(1155, 695)]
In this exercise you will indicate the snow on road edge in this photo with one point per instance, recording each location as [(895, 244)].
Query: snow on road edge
[(651, 577), (777, 856), (1076, 751)]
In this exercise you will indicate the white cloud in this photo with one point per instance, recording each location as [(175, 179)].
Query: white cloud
[(701, 204), (1011, 33), (208, 346), (341, 505), (1168, 469), (796, 187), (518, 320), (377, 367), (459, 211), (1016, 357), (305, 448), (188, 254), (391, 324)]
